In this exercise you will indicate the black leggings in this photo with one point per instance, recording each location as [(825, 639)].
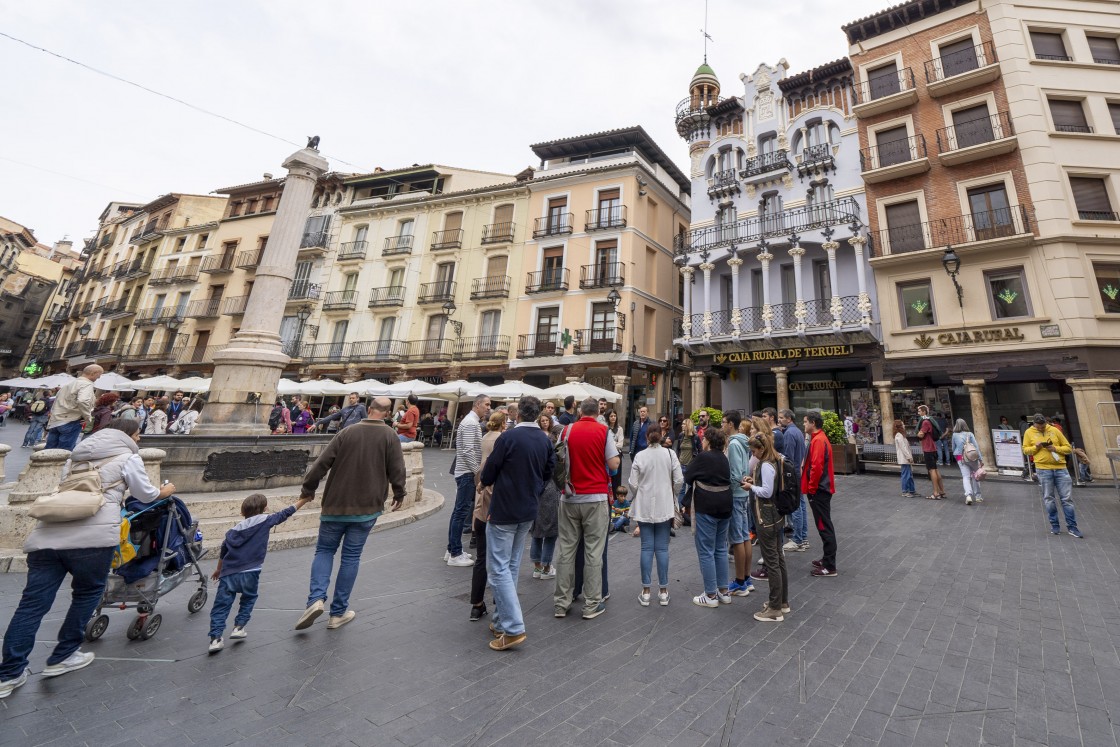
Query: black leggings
[(478, 577)]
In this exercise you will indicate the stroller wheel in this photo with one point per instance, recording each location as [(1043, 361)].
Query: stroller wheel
[(150, 629), (95, 628), (136, 628), (197, 601)]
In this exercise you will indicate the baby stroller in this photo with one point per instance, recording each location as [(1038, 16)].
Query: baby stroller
[(167, 547)]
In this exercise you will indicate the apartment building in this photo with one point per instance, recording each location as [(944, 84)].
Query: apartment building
[(779, 303), (990, 161)]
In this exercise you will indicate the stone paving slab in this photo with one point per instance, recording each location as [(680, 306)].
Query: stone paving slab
[(948, 625)]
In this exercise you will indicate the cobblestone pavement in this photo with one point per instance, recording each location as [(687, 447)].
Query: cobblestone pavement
[(949, 625)]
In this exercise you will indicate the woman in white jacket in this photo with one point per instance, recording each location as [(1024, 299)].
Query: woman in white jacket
[(83, 548), (655, 480)]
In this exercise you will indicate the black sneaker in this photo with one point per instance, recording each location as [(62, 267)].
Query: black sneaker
[(478, 612)]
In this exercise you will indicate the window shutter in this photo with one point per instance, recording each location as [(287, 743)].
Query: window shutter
[(1114, 110), (503, 214), (1090, 195), (892, 146), (1068, 116), (1048, 45), (496, 267), (958, 57), (972, 126), (1104, 49), (453, 222), (883, 81), (904, 227), (608, 194)]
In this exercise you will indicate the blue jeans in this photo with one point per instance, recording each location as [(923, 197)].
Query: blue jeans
[(352, 535), (34, 432), (245, 584), (800, 521), (64, 436), (1057, 481), (655, 541), (405, 439), (711, 550), (944, 452), (542, 550), (505, 544), (907, 473), (46, 569), (461, 513)]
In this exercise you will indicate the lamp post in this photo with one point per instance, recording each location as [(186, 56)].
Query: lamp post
[(84, 330), (303, 314), (952, 264), (449, 310)]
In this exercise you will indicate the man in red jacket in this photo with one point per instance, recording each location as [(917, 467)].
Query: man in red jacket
[(818, 481)]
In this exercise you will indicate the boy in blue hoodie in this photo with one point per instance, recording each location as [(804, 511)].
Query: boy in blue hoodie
[(239, 566)]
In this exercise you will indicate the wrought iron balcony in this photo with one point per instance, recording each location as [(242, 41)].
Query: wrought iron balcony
[(200, 355), (1084, 129), (315, 240), (392, 295), (249, 260), (956, 230), (749, 230), (816, 158), (546, 281), (602, 275), (429, 351), (105, 240), (606, 218), (450, 239), (883, 86), (377, 351), (154, 317), (59, 316), (326, 352), (890, 159), (343, 300), (86, 348), (600, 340), (496, 286), (136, 268), (1097, 215), (483, 348), (222, 265), (149, 232), (539, 345), (724, 184), (151, 355), (174, 276), (352, 251), (694, 107), (121, 308), (945, 67), (204, 308), (437, 292), (401, 244), (967, 135), (235, 305), (818, 319), (553, 225), (766, 163), (497, 233), (302, 290)]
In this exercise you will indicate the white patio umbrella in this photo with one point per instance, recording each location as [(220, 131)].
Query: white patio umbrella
[(194, 384), (456, 390), (580, 391), (364, 386), (19, 381), (511, 390), (52, 381), (328, 388), (114, 382), (157, 384), (404, 388), (287, 387)]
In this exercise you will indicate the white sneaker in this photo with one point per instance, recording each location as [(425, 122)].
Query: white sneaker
[(723, 598), (7, 687), (549, 572), (663, 598), (461, 561), (310, 614), (75, 661), (803, 546), (703, 600), (968, 500), (643, 599), (446, 555), (238, 633), (761, 560), (216, 645), (337, 622), (537, 572), (790, 546)]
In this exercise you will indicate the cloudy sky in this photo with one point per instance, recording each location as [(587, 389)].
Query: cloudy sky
[(469, 84)]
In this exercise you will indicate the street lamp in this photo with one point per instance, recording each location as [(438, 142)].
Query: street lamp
[(449, 310), (84, 330), (952, 264)]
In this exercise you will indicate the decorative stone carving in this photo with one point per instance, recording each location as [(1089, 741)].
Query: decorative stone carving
[(787, 180), (750, 191), (764, 106)]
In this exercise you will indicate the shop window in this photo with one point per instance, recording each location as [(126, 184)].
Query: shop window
[(916, 300), (1007, 291), (1108, 284)]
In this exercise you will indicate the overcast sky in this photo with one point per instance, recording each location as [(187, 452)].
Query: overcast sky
[(468, 84)]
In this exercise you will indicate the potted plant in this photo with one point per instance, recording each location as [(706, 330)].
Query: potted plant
[(843, 453)]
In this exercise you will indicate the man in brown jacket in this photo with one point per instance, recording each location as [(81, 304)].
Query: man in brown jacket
[(364, 461)]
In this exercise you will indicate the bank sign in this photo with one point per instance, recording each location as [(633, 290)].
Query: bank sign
[(784, 354)]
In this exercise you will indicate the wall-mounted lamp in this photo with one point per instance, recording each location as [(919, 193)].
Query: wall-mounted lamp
[(952, 264), (449, 311)]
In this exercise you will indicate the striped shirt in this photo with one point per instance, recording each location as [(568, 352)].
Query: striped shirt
[(468, 445)]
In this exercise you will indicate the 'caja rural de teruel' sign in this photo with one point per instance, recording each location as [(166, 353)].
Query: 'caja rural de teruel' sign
[(784, 354), (1005, 334)]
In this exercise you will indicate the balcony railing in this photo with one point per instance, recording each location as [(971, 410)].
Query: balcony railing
[(606, 218), (783, 318), (200, 355), (1055, 57), (377, 351), (302, 290), (553, 225), (1097, 215), (121, 308), (600, 340), (497, 233), (429, 351), (881, 86), (392, 295), (694, 106), (352, 250), (958, 63), (401, 244), (747, 230), (891, 153), (315, 240), (602, 275), (137, 268), (149, 232), (152, 355), (218, 265), (545, 281), (343, 300), (450, 239), (235, 305), (326, 352), (204, 308), (172, 276), (723, 183), (817, 156), (975, 132), (539, 345), (154, 317), (86, 348), (249, 260), (1081, 128), (483, 348), (105, 240), (437, 292), (496, 286), (765, 163), (960, 229)]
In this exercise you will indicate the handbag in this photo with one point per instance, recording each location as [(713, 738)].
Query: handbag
[(980, 472), (79, 496), (678, 514), (714, 500)]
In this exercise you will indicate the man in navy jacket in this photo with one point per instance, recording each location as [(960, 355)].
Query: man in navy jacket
[(522, 460)]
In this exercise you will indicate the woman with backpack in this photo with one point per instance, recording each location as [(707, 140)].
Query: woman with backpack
[(769, 522), (708, 496), (655, 480), (967, 453), (40, 411)]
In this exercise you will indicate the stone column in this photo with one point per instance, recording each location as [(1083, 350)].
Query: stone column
[(835, 307), (764, 257), (697, 380), (4, 449), (800, 311), (886, 410), (1099, 425), (864, 303), (781, 374), (686, 320), (621, 388), (980, 427), (707, 267), (41, 476), (247, 370), (736, 316)]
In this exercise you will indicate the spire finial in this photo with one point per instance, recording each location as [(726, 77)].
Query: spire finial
[(704, 31)]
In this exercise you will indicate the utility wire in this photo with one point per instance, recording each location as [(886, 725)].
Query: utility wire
[(168, 97), (68, 176)]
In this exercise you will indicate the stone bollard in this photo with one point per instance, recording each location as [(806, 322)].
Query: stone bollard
[(43, 473), (414, 473), (153, 458), (4, 449)]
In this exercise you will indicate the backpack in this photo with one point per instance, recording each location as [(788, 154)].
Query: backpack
[(787, 497), (38, 406), (274, 418), (936, 432), (969, 452), (561, 472)]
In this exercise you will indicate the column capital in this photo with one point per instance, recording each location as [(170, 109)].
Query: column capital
[(765, 257), (830, 246), (796, 251), (970, 383), (688, 271), (857, 241), (735, 261), (707, 267), (883, 384), (780, 370), (1086, 383), (620, 380), (697, 375)]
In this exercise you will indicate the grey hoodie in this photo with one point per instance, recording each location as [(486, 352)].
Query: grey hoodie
[(117, 458)]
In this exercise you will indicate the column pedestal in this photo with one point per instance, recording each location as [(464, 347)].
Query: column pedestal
[(1087, 393), (781, 374), (886, 410), (980, 426)]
